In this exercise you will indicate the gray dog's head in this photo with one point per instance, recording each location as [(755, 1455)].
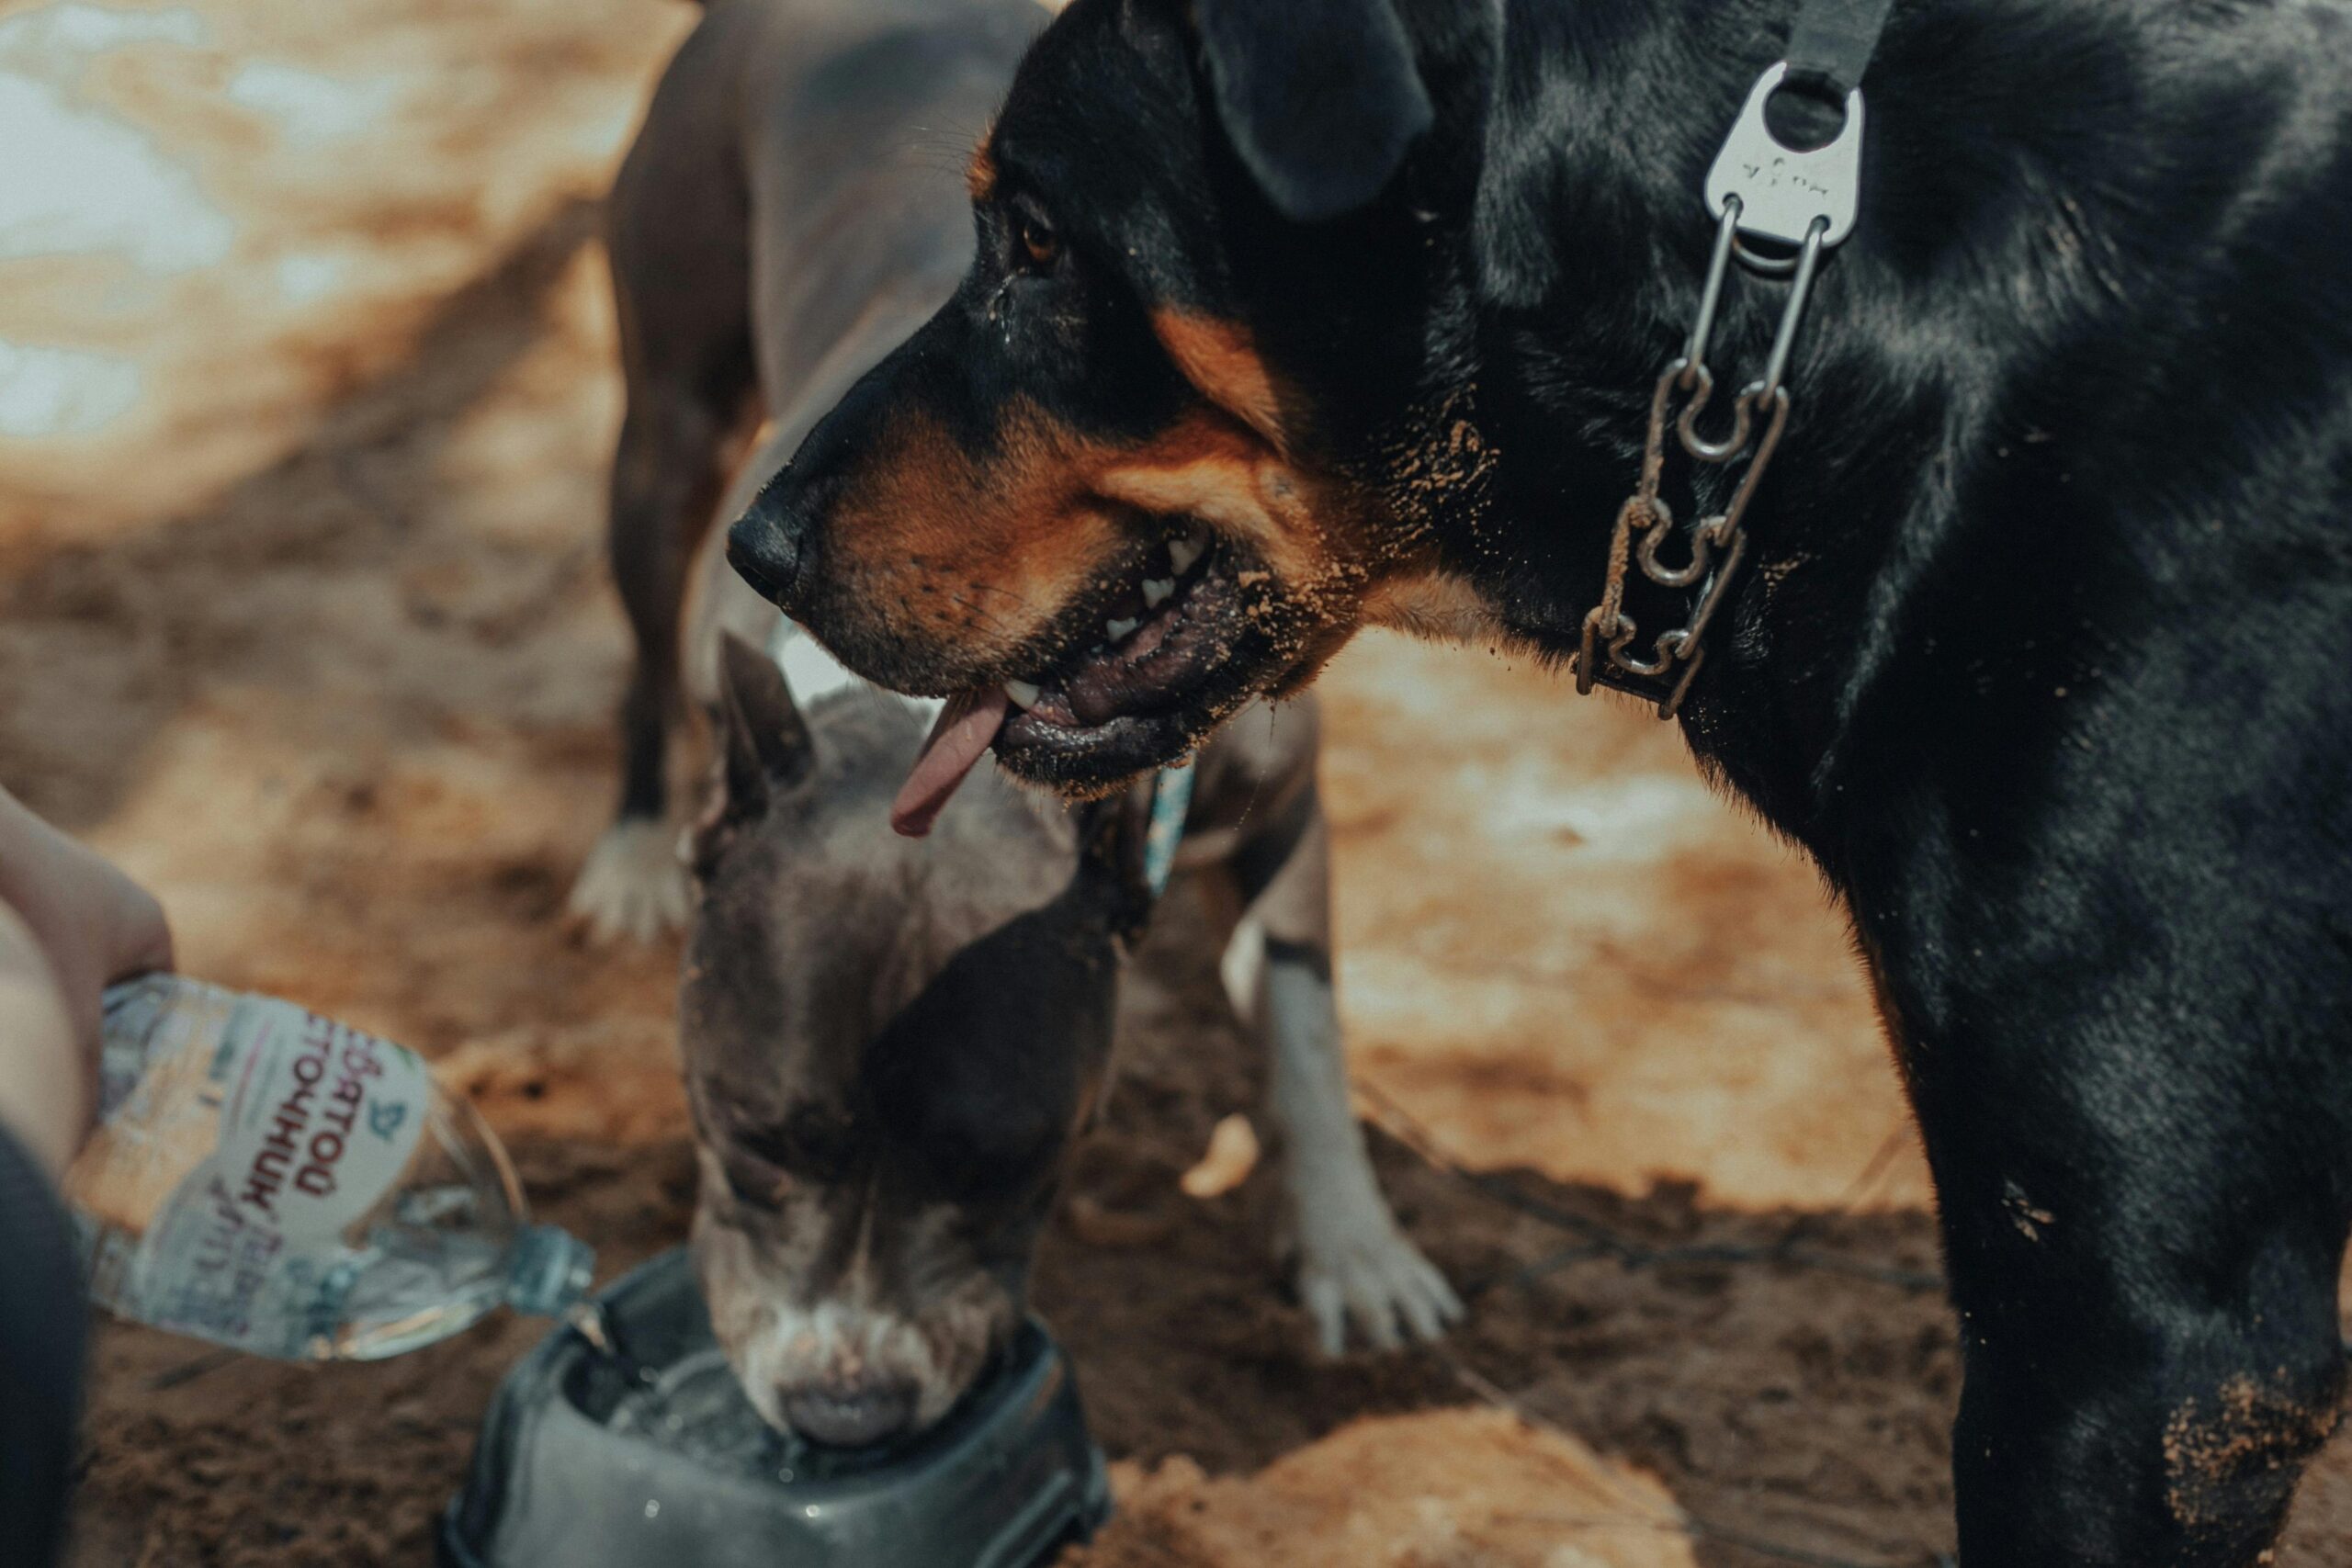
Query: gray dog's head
[(888, 1045)]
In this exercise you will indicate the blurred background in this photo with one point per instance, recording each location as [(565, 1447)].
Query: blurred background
[(307, 393)]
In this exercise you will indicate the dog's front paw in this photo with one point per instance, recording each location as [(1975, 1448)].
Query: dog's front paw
[(1357, 1270), (633, 885)]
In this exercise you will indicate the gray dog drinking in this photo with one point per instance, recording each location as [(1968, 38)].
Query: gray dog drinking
[(892, 1043)]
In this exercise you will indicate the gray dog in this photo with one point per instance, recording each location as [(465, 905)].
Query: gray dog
[(791, 210), (890, 1044)]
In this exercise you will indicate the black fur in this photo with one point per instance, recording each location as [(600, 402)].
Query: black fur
[(2041, 651), (1320, 97)]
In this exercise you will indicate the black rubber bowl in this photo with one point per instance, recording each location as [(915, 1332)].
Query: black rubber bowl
[(645, 1451)]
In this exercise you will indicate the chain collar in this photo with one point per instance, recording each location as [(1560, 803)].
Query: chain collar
[(1757, 190)]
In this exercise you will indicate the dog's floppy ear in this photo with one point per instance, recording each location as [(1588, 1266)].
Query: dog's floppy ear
[(768, 744), (1321, 98)]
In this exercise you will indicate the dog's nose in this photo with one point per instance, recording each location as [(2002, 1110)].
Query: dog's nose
[(764, 547), (851, 1414)]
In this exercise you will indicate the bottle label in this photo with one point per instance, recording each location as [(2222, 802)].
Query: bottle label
[(317, 1122)]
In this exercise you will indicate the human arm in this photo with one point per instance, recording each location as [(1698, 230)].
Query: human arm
[(70, 924)]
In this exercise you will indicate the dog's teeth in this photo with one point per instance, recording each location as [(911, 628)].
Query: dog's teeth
[(1183, 553), (1156, 591), (1022, 692), (1117, 630)]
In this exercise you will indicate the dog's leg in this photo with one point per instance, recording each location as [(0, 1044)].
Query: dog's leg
[(664, 479), (2143, 1245), (1354, 1266), (681, 277)]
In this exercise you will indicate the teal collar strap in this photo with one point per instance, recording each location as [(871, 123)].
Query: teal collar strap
[(1171, 797)]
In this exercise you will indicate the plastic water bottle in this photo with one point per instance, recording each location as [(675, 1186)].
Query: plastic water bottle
[(276, 1181)]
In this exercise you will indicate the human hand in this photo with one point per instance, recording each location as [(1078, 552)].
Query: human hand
[(71, 923)]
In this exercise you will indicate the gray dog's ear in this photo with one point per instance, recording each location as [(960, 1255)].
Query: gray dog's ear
[(768, 744), (1321, 98)]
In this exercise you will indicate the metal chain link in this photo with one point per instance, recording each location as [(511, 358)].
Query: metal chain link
[(1808, 201), (1645, 521)]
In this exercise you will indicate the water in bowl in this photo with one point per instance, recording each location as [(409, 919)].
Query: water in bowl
[(695, 1407)]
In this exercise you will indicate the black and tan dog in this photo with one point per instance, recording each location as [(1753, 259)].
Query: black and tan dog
[(2042, 655)]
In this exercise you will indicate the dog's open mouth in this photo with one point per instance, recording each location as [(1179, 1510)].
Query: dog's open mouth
[(1166, 654)]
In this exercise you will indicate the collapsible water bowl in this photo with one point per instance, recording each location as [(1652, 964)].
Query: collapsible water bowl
[(641, 1451)]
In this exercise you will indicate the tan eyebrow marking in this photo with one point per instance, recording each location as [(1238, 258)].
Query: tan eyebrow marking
[(1219, 358), (979, 176)]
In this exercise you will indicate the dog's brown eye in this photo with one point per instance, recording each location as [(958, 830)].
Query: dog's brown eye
[(1039, 241)]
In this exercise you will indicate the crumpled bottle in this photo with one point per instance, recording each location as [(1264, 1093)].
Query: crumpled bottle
[(276, 1181)]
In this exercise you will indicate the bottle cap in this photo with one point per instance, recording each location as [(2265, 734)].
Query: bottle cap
[(550, 1270)]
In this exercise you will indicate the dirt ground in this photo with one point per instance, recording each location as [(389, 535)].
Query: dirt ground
[(302, 617)]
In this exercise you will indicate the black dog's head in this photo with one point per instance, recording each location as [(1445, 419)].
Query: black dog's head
[(1185, 425)]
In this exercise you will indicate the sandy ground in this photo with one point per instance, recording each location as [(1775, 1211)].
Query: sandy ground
[(306, 393)]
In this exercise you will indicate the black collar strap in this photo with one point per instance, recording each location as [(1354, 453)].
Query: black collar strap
[(1798, 202), (1832, 43)]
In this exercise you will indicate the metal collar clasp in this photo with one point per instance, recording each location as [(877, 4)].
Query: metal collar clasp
[(1783, 193)]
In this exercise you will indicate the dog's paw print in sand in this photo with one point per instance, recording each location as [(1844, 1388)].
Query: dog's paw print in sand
[(634, 884), (1359, 1276)]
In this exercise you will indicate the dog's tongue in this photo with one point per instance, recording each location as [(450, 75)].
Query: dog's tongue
[(957, 742)]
